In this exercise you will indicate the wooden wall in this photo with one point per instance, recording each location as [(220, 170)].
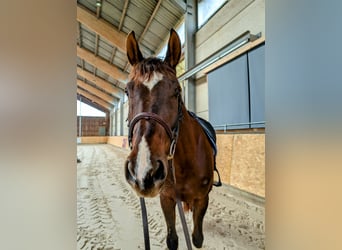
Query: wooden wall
[(91, 125), (93, 139), (241, 161), (119, 141)]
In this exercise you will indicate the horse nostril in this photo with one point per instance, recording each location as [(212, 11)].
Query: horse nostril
[(129, 171), (160, 172)]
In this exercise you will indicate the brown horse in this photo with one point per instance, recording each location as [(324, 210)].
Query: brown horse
[(162, 131)]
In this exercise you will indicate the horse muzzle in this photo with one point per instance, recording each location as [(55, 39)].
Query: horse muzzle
[(147, 179)]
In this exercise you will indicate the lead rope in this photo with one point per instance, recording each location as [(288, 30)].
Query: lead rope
[(180, 210), (145, 223), (184, 225), (178, 201)]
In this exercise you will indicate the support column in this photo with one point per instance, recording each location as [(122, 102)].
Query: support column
[(190, 55), (80, 119), (116, 121), (121, 117), (111, 123)]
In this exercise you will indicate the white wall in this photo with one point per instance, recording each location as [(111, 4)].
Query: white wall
[(236, 17), (202, 98)]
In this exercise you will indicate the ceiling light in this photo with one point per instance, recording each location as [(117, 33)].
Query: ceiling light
[(98, 3)]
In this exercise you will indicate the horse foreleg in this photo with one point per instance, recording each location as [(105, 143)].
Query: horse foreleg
[(199, 210), (168, 206)]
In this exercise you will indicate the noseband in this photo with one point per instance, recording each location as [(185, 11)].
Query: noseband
[(172, 133)]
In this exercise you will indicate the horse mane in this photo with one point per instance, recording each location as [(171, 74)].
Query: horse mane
[(144, 70)]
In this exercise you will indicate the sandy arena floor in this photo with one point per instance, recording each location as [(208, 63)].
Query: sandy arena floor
[(108, 211)]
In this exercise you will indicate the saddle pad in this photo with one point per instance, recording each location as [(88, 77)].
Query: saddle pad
[(211, 135), (208, 129)]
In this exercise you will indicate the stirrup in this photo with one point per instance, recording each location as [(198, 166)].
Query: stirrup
[(217, 183)]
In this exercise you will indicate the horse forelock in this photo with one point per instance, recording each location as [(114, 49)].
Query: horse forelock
[(144, 70)]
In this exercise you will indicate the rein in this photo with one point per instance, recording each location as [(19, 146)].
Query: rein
[(173, 135)]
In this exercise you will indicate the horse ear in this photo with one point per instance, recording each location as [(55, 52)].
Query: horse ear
[(173, 49), (133, 52)]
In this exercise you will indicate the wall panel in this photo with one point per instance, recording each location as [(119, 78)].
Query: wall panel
[(256, 61), (229, 94)]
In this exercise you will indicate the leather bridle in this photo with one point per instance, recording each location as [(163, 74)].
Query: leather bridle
[(171, 133)]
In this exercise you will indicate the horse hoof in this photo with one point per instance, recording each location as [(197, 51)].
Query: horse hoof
[(197, 240), (172, 243)]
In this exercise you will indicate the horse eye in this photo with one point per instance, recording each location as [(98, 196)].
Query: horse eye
[(129, 88)]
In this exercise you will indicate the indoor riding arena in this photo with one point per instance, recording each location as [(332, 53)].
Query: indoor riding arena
[(221, 74)]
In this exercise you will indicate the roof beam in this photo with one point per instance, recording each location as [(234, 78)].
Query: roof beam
[(95, 99), (79, 35), (100, 82), (120, 26), (122, 18), (93, 104), (102, 64), (97, 38), (96, 92), (148, 24), (101, 27), (166, 39)]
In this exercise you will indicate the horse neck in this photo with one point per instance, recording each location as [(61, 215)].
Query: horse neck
[(186, 131)]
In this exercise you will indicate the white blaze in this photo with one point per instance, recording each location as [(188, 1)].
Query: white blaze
[(154, 80), (143, 160)]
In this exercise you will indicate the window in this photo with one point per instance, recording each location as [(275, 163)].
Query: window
[(84, 109), (206, 9)]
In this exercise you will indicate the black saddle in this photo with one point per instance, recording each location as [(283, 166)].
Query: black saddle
[(211, 135)]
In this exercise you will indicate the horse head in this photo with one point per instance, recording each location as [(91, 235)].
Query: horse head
[(154, 100)]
